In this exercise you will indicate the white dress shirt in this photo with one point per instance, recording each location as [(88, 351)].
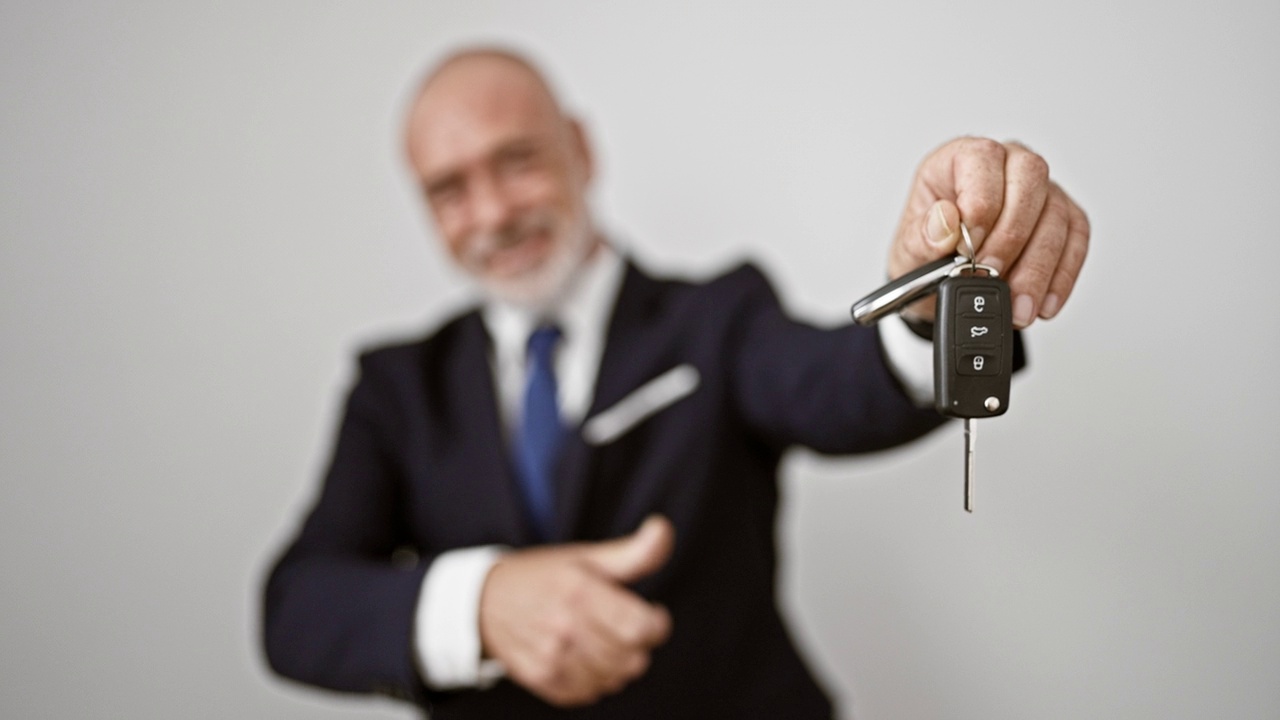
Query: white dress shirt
[(447, 634)]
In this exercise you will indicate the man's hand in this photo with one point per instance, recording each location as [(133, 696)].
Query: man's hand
[(563, 624), (1020, 221)]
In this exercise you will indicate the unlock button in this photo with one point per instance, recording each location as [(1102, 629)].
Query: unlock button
[(979, 303)]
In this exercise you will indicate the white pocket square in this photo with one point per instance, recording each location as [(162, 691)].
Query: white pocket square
[(608, 425)]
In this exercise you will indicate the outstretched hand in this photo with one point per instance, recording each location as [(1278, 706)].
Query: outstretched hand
[(562, 622), (1021, 223)]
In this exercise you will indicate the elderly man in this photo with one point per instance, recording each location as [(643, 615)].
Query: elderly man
[(562, 503)]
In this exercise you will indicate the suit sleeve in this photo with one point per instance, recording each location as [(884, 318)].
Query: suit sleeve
[(337, 611), (827, 389)]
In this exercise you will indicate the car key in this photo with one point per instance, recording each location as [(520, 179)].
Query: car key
[(973, 339), (972, 354)]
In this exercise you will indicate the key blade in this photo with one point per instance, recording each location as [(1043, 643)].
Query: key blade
[(970, 445)]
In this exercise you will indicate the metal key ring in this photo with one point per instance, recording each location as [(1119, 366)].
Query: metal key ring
[(968, 243)]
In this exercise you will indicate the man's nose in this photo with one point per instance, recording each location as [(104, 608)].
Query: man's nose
[(491, 209)]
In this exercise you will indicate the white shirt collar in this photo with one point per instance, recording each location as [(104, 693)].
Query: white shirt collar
[(583, 317)]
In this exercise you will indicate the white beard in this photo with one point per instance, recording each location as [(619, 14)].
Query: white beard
[(539, 289)]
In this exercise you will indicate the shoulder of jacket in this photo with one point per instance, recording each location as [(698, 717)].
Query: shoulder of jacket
[(413, 350), (741, 283), (744, 276)]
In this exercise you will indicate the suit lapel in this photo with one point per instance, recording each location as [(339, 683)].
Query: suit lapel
[(633, 337), (489, 482)]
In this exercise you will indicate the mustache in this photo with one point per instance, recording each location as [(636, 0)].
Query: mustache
[(482, 245)]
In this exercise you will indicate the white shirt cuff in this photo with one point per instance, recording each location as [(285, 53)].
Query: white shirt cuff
[(447, 621), (910, 359)]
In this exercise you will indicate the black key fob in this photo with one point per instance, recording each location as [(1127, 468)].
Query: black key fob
[(972, 345)]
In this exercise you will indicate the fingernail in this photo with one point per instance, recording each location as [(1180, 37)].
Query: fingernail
[(939, 232), (1051, 306), (1024, 309)]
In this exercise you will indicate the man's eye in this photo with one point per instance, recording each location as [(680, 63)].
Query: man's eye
[(444, 193), (518, 161)]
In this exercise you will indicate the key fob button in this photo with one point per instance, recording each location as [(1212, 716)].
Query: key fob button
[(978, 303), (977, 363), (979, 331)]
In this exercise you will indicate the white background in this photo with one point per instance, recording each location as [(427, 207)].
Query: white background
[(203, 213)]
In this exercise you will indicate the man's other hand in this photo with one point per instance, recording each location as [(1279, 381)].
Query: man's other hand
[(1021, 223), (562, 622)]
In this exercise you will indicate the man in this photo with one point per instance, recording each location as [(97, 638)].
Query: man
[(563, 503)]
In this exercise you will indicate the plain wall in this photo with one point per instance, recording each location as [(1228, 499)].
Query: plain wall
[(204, 213)]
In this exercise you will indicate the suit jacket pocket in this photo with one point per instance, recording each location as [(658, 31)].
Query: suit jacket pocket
[(659, 393)]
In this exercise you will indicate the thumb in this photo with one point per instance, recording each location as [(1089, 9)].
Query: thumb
[(942, 227), (936, 235), (634, 556)]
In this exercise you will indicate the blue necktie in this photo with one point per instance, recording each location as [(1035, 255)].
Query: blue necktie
[(541, 431)]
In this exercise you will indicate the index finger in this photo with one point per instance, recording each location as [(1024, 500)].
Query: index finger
[(1026, 181), (629, 619), (972, 170)]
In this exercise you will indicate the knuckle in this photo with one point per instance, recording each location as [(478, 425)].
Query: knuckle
[(982, 210), (1059, 200), (613, 683), (1033, 166), (1069, 271), (636, 665), (562, 634), (1080, 220), (985, 146), (544, 676), (1028, 283), (661, 625), (1056, 219), (1063, 281), (631, 630), (554, 646), (1035, 268), (1032, 276), (665, 629)]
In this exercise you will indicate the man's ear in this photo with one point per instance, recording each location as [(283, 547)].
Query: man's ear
[(582, 148)]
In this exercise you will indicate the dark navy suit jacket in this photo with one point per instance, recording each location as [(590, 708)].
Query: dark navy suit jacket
[(421, 465)]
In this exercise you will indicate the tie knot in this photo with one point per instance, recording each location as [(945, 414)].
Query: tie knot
[(542, 341)]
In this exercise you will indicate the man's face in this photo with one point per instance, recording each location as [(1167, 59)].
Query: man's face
[(505, 175)]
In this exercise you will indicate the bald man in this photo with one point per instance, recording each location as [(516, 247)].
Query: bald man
[(561, 503)]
